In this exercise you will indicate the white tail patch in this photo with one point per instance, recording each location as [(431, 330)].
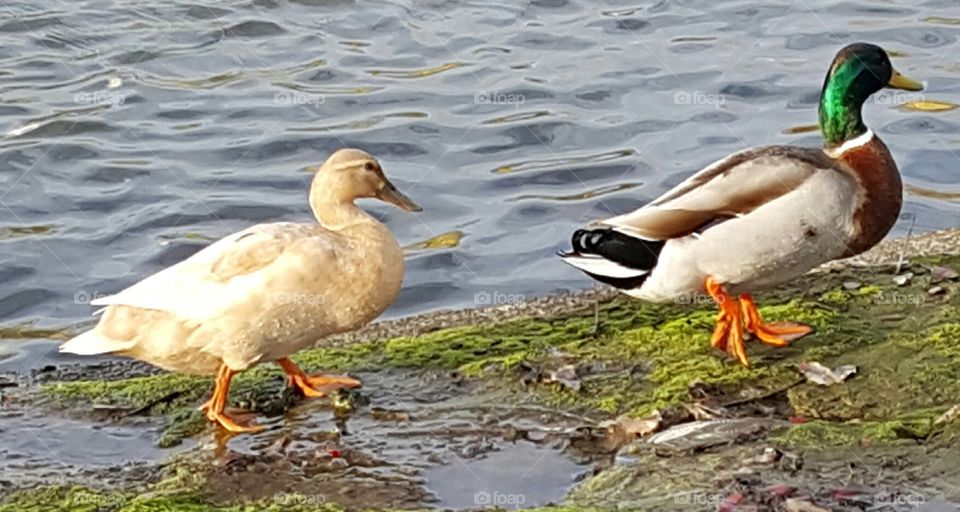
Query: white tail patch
[(90, 343), (602, 267)]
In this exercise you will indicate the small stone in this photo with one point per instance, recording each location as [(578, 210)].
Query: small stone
[(936, 290), (820, 374), (567, 377), (769, 456), (903, 279), (627, 456), (703, 434), (790, 462), (940, 273), (852, 285)]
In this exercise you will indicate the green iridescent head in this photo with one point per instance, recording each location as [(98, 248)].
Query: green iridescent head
[(858, 71)]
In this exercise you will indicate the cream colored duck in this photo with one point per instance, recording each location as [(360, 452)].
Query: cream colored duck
[(266, 292), (762, 216)]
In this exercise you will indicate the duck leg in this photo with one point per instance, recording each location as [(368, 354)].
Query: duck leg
[(314, 386), (728, 334), (777, 334), (218, 402)]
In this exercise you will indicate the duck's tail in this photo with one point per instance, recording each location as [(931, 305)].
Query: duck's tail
[(611, 257), (91, 343)]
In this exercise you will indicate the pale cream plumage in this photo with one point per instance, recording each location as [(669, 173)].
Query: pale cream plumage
[(266, 292)]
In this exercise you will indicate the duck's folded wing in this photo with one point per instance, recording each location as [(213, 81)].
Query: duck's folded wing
[(730, 187), (219, 276)]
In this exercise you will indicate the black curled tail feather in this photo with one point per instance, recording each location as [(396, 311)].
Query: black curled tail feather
[(623, 250), (626, 250)]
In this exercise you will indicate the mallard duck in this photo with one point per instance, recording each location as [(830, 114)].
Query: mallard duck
[(266, 292), (762, 216)]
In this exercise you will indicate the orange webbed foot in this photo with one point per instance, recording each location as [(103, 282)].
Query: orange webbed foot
[(214, 408), (728, 334), (315, 386), (776, 334), (231, 424)]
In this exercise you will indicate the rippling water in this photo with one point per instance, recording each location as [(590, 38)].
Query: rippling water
[(133, 132)]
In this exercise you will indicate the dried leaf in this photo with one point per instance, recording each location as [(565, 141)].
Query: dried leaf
[(949, 416), (701, 412), (630, 428), (626, 429), (820, 374), (640, 426)]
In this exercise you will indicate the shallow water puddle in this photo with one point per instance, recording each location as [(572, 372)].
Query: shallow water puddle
[(38, 448), (517, 476), (413, 440)]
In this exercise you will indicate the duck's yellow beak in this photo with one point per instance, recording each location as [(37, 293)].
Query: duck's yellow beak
[(390, 194), (898, 81)]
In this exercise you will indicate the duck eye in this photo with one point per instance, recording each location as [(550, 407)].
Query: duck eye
[(370, 166)]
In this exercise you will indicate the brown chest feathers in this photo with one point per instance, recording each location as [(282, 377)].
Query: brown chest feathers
[(881, 193)]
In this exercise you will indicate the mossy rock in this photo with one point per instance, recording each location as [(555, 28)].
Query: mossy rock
[(643, 357), (648, 356)]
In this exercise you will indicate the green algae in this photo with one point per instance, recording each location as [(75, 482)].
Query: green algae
[(822, 434), (81, 499), (135, 392), (650, 355)]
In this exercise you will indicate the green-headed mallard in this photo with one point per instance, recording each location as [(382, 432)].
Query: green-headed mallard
[(266, 292), (762, 216)]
